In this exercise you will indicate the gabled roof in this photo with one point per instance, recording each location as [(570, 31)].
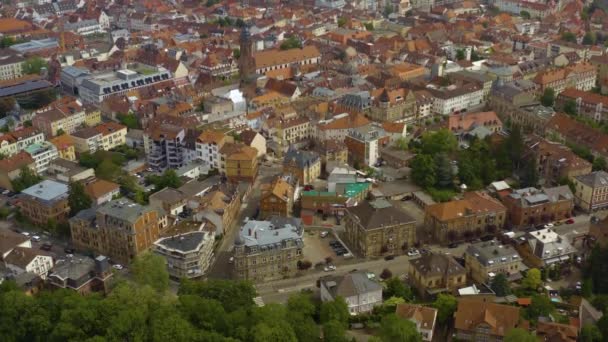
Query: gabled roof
[(379, 213), (473, 312), (437, 264), (350, 284)]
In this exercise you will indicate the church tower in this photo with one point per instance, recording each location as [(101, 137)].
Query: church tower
[(246, 61)]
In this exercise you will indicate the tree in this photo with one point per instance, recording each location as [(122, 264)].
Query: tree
[(397, 288), (336, 310), (236, 53), (394, 328), (168, 179), (423, 170), (401, 144), (519, 335), (569, 37), (532, 279), (548, 97), (599, 163), (26, 178), (540, 306), (500, 285), (525, 14), (590, 333), (334, 331), (386, 273), (441, 141), (369, 26), (33, 65), (6, 105), (151, 269), (388, 10), (446, 305), (341, 22), (460, 54), (602, 326), (530, 175), (443, 170), (589, 39), (291, 43), (275, 331), (129, 120), (570, 108), (60, 132), (300, 311), (78, 199), (232, 294)]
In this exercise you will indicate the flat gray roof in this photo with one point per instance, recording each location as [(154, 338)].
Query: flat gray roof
[(47, 190)]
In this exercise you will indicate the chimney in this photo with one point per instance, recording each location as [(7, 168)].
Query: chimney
[(249, 231)]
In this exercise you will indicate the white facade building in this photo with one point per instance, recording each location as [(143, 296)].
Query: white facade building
[(360, 292), (43, 154)]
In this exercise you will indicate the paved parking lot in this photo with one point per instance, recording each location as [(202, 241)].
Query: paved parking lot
[(316, 248)]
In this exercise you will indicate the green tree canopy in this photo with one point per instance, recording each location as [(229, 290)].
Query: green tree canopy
[(168, 179), (532, 280), (540, 306), (570, 108), (599, 163), (336, 310), (590, 333), (6, 105), (460, 54), (547, 99), (334, 331), (33, 65), (26, 178), (396, 329), (524, 14), (500, 285), (441, 141), (397, 288), (519, 335), (78, 199), (341, 21), (129, 120), (291, 43), (446, 305), (569, 37), (151, 269), (423, 170)]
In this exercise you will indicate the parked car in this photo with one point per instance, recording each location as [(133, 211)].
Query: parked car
[(69, 250), (25, 233), (231, 260), (569, 221), (46, 247), (413, 253), (549, 225), (324, 234), (453, 245), (118, 267), (389, 257), (36, 238), (329, 268)]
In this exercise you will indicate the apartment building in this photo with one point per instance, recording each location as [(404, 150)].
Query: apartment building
[(66, 114), (547, 247), (590, 105), (45, 202), (65, 147), (11, 65), (208, 146), (164, 144), (239, 162), (531, 206), (465, 122), (272, 61), (112, 135), (455, 99), (291, 131), (188, 255), (436, 273), (475, 214), (83, 275), (591, 191), (43, 154), (364, 144), (22, 259), (120, 229), (557, 162), (86, 140), (278, 196), (485, 260), (393, 105), (378, 227), (12, 143), (565, 129), (268, 250), (220, 205), (581, 76), (305, 165)]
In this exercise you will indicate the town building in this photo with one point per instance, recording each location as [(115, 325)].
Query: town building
[(102, 191), (423, 317), (64, 115), (69, 171), (11, 65), (86, 140), (120, 229), (455, 99), (476, 214), (10, 168), (478, 319), (277, 197), (238, 162), (112, 135), (170, 200), (82, 274), (305, 165), (331, 151), (45, 202), (43, 154), (436, 273), (164, 144), (254, 139), (375, 228), (220, 205), (394, 105), (22, 259), (464, 123), (65, 147), (268, 250), (551, 331), (581, 76), (531, 206), (557, 162), (587, 104), (545, 247), (486, 259), (337, 127), (10, 240), (281, 62), (14, 142), (188, 255), (208, 146), (591, 191), (364, 144), (360, 292)]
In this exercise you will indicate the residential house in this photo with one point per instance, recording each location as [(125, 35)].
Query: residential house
[(455, 99), (188, 255), (558, 332), (464, 123), (43, 154), (364, 144), (68, 171), (545, 247), (475, 214), (567, 130), (479, 319), (238, 162), (360, 292), (254, 139), (65, 147), (591, 191), (86, 140), (64, 115), (581, 76), (393, 105), (292, 131), (557, 162), (208, 146), (590, 105), (268, 250), (14, 142), (220, 204), (102, 191), (436, 273), (82, 274), (120, 229), (331, 151), (10, 168), (305, 165), (23, 259), (531, 206), (45, 202), (423, 317), (486, 259), (112, 135), (10, 240), (277, 197), (337, 128), (11, 64), (378, 227), (170, 200)]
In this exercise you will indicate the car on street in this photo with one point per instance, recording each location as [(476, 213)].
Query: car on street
[(569, 221), (231, 260), (118, 267), (549, 225), (324, 234), (69, 255), (453, 245), (413, 253), (25, 233), (389, 257), (6, 192), (329, 268), (36, 238), (69, 250), (46, 247)]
